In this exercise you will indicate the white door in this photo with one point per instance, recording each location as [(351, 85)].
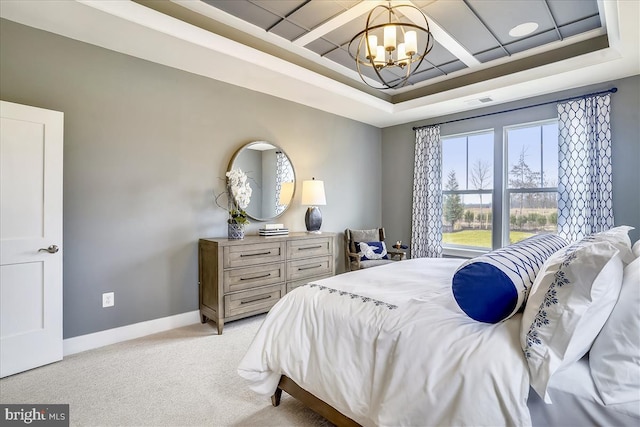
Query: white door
[(31, 142)]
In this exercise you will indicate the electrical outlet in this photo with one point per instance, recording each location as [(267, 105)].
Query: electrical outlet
[(107, 299)]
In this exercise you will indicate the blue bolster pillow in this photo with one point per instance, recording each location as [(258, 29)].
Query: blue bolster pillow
[(494, 286)]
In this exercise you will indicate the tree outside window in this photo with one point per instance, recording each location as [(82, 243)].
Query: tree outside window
[(453, 208)]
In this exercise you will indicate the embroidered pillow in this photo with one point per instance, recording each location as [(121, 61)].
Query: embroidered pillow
[(570, 301), (493, 287), (614, 357), (371, 250)]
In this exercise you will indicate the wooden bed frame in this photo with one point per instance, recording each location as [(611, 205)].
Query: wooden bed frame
[(312, 402)]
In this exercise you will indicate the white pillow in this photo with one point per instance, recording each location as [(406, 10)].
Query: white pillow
[(615, 355), (570, 300), (619, 237), (636, 249)]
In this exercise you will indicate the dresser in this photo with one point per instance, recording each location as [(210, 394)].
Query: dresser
[(241, 278)]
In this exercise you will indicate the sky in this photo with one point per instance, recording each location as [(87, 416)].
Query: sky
[(540, 143)]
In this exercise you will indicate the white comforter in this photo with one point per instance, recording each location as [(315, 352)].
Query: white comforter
[(389, 346)]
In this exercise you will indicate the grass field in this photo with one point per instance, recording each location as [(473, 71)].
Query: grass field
[(479, 238)]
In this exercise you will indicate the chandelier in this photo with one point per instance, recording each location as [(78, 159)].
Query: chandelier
[(389, 55)]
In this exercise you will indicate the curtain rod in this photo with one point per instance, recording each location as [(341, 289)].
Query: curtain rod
[(612, 90)]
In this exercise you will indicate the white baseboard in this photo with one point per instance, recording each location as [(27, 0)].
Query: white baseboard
[(124, 333)]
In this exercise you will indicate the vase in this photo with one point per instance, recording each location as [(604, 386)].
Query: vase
[(235, 231)]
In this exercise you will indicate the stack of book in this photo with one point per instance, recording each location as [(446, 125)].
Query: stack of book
[(273, 230)]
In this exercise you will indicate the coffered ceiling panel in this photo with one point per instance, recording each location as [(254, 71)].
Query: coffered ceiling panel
[(477, 28)]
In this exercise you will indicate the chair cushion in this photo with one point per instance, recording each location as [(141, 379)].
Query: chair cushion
[(372, 235), (371, 250), (374, 263)]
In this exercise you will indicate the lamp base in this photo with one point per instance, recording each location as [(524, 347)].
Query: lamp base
[(313, 219)]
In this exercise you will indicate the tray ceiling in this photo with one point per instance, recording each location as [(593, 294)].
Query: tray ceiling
[(468, 33), (297, 49)]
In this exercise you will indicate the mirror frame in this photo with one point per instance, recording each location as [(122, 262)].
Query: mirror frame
[(295, 179)]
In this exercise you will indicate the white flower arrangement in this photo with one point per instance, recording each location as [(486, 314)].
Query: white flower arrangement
[(239, 188), (238, 195)]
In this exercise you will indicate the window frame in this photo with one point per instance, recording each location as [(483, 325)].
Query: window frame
[(506, 191), (464, 250), (500, 192)]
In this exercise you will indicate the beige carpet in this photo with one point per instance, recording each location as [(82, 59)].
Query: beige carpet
[(183, 377)]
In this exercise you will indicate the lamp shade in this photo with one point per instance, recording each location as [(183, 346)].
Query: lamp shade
[(286, 192), (313, 193)]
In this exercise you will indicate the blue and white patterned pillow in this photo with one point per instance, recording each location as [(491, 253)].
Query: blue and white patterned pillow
[(492, 287), (371, 250), (570, 301)]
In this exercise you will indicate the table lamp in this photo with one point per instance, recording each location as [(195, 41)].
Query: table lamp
[(313, 196)]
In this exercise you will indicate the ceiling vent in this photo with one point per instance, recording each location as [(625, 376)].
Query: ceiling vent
[(478, 101)]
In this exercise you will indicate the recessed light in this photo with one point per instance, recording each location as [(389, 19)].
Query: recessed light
[(523, 29)]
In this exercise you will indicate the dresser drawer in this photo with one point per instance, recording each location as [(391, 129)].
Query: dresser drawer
[(305, 248), (239, 279), (311, 267), (291, 285), (255, 300), (252, 254)]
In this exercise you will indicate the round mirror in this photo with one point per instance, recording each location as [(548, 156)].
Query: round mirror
[(271, 177)]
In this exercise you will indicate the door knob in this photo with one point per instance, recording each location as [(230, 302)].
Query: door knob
[(51, 249)]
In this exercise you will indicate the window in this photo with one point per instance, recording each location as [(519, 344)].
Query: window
[(531, 181), (467, 187), (527, 176)]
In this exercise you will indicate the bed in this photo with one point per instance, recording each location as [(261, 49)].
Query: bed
[(390, 346), (576, 402)]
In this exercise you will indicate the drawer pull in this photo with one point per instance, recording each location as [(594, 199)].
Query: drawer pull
[(310, 247), (254, 300), (309, 268), (257, 254), (256, 277)]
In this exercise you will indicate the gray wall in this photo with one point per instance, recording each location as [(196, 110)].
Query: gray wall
[(145, 146), (398, 152)]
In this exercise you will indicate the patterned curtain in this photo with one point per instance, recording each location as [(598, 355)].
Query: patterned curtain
[(584, 188), (284, 173), (426, 218)]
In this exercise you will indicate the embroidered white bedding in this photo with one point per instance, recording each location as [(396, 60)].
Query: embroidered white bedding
[(389, 346)]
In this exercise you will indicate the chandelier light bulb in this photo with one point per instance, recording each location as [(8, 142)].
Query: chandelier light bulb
[(411, 43), (372, 47), (402, 56), (380, 56), (390, 37)]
